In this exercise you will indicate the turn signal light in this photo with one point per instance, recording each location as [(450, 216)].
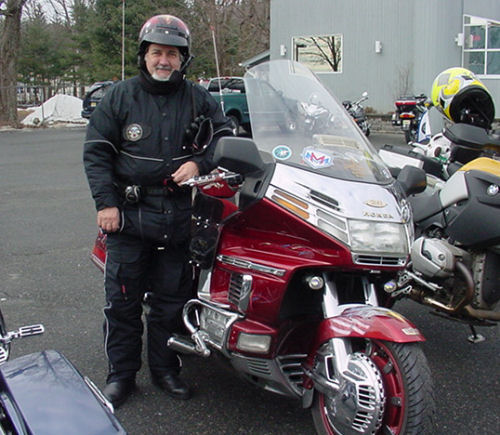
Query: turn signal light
[(253, 343), (291, 203)]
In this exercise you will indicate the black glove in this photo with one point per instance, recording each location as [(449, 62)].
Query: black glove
[(199, 134)]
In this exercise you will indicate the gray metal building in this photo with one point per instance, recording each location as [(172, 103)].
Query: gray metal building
[(388, 47)]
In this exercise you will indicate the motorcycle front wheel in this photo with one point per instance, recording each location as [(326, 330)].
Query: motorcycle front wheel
[(407, 386)]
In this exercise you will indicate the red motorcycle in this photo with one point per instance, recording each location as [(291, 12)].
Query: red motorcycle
[(294, 237)]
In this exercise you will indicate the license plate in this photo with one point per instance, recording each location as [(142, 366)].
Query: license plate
[(93, 104), (406, 124), (214, 323)]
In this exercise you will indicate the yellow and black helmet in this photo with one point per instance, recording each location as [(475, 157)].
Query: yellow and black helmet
[(462, 97)]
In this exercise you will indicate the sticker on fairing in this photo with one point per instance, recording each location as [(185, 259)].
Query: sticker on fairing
[(316, 159), (282, 152)]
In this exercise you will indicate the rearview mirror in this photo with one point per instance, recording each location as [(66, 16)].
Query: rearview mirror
[(238, 154), (412, 180)]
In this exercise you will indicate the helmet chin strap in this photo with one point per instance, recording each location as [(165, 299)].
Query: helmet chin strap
[(186, 64)]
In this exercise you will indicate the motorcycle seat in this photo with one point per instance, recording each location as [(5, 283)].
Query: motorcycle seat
[(470, 136)]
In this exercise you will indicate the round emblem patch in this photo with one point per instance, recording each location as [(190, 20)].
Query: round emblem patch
[(282, 152), (134, 132)]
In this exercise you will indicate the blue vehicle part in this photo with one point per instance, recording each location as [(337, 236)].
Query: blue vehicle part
[(43, 393)]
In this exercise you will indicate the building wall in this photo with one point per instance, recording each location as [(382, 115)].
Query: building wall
[(418, 41)]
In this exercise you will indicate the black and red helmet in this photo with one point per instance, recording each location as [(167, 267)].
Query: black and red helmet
[(165, 30)]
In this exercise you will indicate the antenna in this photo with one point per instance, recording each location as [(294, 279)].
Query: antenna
[(217, 66)]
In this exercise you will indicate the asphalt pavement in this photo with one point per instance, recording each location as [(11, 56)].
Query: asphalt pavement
[(47, 228)]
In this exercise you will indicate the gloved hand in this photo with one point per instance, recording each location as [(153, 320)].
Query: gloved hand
[(199, 134)]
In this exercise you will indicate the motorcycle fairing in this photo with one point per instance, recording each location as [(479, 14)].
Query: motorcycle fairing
[(349, 199), (481, 206), (464, 200), (364, 321)]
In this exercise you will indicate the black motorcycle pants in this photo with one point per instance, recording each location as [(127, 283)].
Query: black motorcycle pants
[(134, 267)]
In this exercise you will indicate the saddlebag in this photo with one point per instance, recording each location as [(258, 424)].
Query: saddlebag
[(43, 393)]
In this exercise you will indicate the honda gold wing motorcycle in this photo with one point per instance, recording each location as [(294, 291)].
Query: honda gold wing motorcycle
[(456, 257), (43, 393), (294, 237)]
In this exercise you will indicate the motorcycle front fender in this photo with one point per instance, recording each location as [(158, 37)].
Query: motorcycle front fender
[(359, 321), (365, 321)]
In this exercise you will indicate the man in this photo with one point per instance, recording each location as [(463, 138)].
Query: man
[(143, 140)]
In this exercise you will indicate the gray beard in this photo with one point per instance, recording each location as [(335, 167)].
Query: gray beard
[(161, 79)]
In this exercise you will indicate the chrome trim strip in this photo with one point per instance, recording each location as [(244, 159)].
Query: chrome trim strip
[(98, 394), (240, 287), (378, 260), (245, 264)]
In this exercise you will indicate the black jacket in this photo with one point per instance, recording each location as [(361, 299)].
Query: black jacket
[(137, 138)]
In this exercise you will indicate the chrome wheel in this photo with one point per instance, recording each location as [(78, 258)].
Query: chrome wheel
[(386, 389)]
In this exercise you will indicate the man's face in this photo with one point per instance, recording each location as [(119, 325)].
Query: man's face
[(161, 60)]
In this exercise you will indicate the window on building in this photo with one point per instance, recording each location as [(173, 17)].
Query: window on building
[(481, 52), (319, 53)]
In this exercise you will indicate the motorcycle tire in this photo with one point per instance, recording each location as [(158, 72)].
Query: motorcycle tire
[(410, 135), (409, 404)]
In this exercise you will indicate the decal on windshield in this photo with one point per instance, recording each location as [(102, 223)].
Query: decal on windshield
[(282, 152), (316, 158)]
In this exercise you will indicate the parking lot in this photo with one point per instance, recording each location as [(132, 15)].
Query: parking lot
[(47, 228)]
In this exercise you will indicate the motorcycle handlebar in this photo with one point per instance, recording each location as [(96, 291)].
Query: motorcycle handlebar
[(231, 178)]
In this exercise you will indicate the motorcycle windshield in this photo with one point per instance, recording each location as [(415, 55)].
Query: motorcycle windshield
[(297, 122)]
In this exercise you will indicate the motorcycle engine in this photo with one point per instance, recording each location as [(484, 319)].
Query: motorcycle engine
[(435, 258)]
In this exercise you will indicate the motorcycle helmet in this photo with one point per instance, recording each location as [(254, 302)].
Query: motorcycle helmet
[(462, 97), (165, 30)]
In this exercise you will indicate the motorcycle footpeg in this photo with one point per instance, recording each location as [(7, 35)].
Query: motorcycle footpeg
[(26, 331)]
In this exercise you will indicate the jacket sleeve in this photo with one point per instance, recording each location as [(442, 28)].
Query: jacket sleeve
[(100, 149), (221, 124)]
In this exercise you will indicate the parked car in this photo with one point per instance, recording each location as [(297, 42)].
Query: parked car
[(94, 96), (231, 90)]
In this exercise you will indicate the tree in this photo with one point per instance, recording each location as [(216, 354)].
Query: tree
[(10, 11), (241, 29), (80, 41)]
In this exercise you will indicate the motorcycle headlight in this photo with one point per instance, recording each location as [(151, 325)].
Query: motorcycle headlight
[(378, 237)]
